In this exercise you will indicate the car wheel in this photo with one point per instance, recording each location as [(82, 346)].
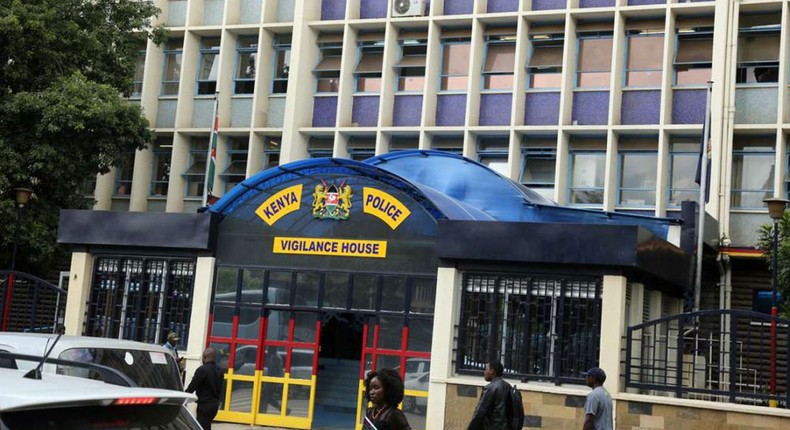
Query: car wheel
[(409, 404)]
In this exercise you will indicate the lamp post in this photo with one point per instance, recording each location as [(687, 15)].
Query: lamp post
[(776, 210), (22, 196)]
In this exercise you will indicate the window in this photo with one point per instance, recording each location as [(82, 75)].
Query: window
[(123, 175), (644, 58), (368, 70), (411, 67), (539, 164), (282, 63), (160, 172), (694, 56), (637, 170), (139, 72), (758, 49), (539, 327), (454, 144), (246, 59), (271, 153), (544, 68), (594, 63), (499, 62), (172, 69), (320, 147), (327, 71), (752, 171), (207, 70), (588, 164), (683, 160), (492, 151), (455, 64), (195, 175), (361, 147), (237, 163), (402, 143)]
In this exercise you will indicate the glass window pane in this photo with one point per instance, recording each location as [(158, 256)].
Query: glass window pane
[(172, 67), (758, 47), (539, 170), (369, 84), (307, 285), (645, 52), (246, 65), (588, 169), (208, 67), (594, 79), (423, 295), (249, 322), (595, 54), (277, 325), (336, 290), (222, 320), (420, 334), (498, 82), (365, 287), (642, 79), (390, 332), (638, 197), (225, 288), (500, 57), (279, 292), (455, 59), (454, 83), (393, 293), (497, 164), (684, 167), (545, 80), (304, 326), (252, 286), (687, 76), (638, 171), (753, 172), (411, 83)]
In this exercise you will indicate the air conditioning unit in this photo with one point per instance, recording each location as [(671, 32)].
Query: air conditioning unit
[(408, 8)]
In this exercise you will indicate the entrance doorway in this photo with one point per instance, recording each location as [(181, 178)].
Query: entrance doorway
[(338, 375)]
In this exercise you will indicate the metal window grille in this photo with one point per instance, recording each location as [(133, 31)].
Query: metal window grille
[(140, 299), (539, 327)]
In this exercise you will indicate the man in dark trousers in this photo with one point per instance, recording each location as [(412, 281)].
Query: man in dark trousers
[(207, 384), (491, 410)]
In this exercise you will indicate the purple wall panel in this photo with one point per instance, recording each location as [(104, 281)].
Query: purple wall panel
[(542, 109), (640, 107), (407, 110), (324, 111), (596, 3), (450, 109), (548, 4), (502, 6), (591, 107), (643, 2), (458, 7), (688, 106), (365, 111), (333, 9), (373, 9), (495, 109)]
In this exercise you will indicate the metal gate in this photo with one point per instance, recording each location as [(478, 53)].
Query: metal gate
[(140, 299), (29, 304)]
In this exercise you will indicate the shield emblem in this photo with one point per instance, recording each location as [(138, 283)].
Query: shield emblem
[(332, 199)]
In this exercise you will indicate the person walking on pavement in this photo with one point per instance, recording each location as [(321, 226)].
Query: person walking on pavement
[(491, 410), (171, 344), (207, 384), (598, 406), (384, 388)]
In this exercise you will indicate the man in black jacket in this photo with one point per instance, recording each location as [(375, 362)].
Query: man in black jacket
[(207, 384), (491, 410)]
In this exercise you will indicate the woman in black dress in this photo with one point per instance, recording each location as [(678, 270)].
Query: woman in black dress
[(384, 388)]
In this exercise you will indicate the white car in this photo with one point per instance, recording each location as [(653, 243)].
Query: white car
[(416, 383), (70, 403), (147, 365)]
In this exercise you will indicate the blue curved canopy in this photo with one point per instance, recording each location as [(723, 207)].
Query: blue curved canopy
[(449, 186)]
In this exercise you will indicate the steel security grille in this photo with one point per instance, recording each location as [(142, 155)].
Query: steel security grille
[(539, 327), (140, 299)]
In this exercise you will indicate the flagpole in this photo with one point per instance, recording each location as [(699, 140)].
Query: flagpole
[(703, 186), (212, 148)]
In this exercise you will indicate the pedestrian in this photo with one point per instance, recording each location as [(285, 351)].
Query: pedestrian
[(171, 344), (272, 394), (598, 406), (384, 388), (491, 410), (207, 384)]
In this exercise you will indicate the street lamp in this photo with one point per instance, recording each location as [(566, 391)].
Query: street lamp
[(776, 210), (22, 196)]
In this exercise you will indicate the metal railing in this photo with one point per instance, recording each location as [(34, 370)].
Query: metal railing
[(717, 355), (29, 304)]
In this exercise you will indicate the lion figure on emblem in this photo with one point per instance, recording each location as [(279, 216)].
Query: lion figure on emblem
[(318, 198), (345, 199)]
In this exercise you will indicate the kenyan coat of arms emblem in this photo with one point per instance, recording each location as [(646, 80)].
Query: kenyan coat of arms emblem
[(332, 201)]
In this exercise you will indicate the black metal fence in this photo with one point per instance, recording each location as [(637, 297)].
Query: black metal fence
[(717, 355), (140, 299), (540, 327), (29, 304)]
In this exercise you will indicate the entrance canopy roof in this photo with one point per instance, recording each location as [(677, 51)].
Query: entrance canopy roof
[(449, 186)]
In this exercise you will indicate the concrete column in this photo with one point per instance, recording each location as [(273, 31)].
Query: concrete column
[(198, 321), (80, 276), (448, 304), (613, 296)]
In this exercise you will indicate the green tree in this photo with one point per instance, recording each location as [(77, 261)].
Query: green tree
[(64, 66), (782, 256)]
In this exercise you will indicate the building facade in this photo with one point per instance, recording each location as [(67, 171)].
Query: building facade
[(594, 104)]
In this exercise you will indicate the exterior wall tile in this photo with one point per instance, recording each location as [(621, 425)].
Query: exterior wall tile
[(502, 6), (365, 111), (688, 106), (542, 108), (495, 109), (324, 111), (450, 109), (407, 110), (372, 9), (644, 2), (333, 9), (548, 4), (641, 107), (250, 12), (458, 7), (755, 105), (591, 107), (241, 112), (596, 3)]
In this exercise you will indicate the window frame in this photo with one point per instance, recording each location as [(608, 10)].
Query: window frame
[(671, 168), (366, 48), (444, 76), (543, 41), (198, 159), (126, 167), (538, 153), (203, 53), (493, 153), (280, 77), (705, 33), (621, 154), (486, 75), (638, 34), (241, 85), (237, 152), (170, 87), (742, 153), (743, 68), (331, 76), (403, 73), (161, 153), (594, 35), (572, 153), (136, 91)]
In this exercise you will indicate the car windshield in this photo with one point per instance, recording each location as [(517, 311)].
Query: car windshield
[(149, 369), (149, 417)]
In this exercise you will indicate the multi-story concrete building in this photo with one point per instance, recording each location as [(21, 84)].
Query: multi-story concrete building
[(595, 104)]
